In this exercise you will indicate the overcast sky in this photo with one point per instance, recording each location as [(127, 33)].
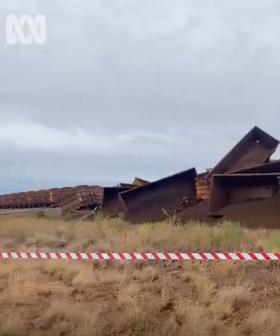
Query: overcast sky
[(134, 88)]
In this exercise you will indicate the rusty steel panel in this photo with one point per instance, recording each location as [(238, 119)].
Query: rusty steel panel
[(112, 204), (71, 205), (39, 198), (19, 200), (151, 202), (202, 188), (14, 200), (270, 167), (10, 200), (57, 195), (33, 200), (126, 185), (90, 197), (85, 198), (254, 149), (197, 212), (110, 193), (239, 188), (7, 201), (97, 195), (3, 202), (82, 197), (68, 201), (138, 182), (53, 193), (264, 213), (43, 198)]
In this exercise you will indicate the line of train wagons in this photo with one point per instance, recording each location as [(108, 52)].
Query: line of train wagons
[(35, 199)]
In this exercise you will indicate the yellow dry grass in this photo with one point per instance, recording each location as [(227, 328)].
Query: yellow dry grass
[(129, 298)]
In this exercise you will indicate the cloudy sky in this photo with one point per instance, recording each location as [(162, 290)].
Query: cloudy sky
[(126, 88)]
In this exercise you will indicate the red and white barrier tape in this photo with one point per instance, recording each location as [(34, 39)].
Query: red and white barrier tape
[(145, 256)]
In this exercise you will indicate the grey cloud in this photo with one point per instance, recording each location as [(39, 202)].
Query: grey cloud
[(203, 71)]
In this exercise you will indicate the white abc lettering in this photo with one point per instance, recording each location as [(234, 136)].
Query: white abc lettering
[(26, 29)]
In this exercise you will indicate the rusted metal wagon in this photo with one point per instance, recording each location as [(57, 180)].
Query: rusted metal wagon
[(152, 202), (19, 200), (239, 188), (254, 149), (106, 198), (58, 194)]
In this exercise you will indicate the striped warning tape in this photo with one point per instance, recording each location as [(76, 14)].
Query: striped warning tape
[(145, 256)]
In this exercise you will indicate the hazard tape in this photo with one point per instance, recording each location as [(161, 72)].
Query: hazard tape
[(144, 256)]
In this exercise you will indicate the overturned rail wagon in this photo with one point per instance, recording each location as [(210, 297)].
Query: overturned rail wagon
[(154, 201), (90, 197), (254, 149), (240, 188), (250, 155)]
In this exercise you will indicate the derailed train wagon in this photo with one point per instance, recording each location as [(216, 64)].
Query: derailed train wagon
[(152, 202), (254, 149), (250, 155), (229, 189), (83, 198)]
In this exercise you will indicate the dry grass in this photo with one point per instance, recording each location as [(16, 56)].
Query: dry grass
[(124, 298)]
